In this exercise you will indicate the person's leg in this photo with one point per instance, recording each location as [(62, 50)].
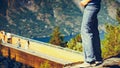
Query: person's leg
[(87, 32), (96, 39)]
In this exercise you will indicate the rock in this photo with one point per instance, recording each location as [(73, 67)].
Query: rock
[(112, 62), (107, 63)]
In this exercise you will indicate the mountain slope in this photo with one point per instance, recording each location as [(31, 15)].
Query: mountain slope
[(37, 18)]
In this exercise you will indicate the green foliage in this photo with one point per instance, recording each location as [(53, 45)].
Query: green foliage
[(75, 43), (56, 39), (111, 43), (78, 38), (71, 44), (45, 65)]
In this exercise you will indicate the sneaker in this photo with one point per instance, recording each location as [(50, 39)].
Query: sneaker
[(85, 65), (98, 62)]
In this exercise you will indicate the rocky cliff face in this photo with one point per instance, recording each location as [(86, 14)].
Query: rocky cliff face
[(36, 18), (112, 6)]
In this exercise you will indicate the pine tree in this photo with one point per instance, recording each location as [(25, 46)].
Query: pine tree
[(71, 44), (78, 38), (111, 43), (75, 43), (56, 37)]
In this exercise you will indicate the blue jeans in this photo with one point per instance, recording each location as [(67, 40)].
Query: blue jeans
[(90, 34)]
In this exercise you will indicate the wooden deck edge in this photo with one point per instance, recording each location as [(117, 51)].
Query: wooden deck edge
[(51, 58)]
